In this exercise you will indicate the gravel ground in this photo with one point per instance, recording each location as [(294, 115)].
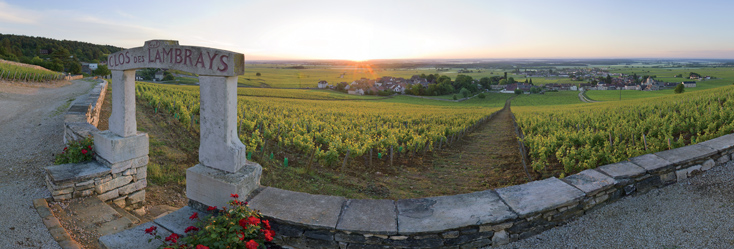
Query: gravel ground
[(695, 213), (31, 129)]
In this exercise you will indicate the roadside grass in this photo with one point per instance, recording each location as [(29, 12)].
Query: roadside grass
[(62, 108)]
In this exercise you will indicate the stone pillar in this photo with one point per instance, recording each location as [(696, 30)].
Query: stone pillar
[(122, 148), (223, 168), (220, 148), (122, 120)]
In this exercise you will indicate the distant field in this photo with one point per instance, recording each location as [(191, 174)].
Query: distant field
[(614, 95), (549, 98), (280, 76)]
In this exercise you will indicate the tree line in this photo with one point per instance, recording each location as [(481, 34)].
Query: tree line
[(58, 55)]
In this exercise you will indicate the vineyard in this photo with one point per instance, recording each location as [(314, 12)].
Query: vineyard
[(299, 94), (579, 137), (13, 72), (328, 131)]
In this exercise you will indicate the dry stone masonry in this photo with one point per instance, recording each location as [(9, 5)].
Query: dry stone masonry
[(81, 120)]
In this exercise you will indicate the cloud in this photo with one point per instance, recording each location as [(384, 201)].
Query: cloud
[(12, 14)]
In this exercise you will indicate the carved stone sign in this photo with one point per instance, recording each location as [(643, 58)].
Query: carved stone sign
[(168, 54)]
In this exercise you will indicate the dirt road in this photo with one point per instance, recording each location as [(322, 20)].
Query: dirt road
[(31, 125)]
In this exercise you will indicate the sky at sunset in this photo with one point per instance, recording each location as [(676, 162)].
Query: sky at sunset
[(358, 30)]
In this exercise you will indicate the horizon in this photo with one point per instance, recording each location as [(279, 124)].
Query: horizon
[(384, 30)]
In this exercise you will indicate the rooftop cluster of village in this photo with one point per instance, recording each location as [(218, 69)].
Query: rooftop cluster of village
[(588, 79)]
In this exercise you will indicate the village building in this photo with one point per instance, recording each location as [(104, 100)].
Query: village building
[(323, 84), (689, 83)]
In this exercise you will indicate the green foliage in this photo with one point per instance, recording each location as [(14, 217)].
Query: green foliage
[(680, 88), (464, 92), (481, 96), (258, 74), (148, 73), (75, 68), (465, 82), (76, 151), (535, 90), (518, 91), (168, 76), (26, 48), (503, 82), (455, 98), (234, 227), (102, 70)]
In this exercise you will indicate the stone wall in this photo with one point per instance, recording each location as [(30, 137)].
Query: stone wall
[(122, 181), (76, 180), (490, 217), (81, 120)]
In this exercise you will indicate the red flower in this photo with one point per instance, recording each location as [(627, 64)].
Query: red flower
[(89, 146), (268, 235), (243, 223), (251, 244), (267, 224), (253, 221), (150, 230), (194, 216), (173, 238), (84, 151), (65, 148), (191, 228), (235, 196), (243, 236), (210, 208), (201, 247)]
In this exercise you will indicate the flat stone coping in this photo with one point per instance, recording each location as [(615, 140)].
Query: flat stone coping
[(369, 216), (435, 214), (652, 163), (318, 211), (686, 154), (622, 170), (591, 181), (73, 172), (538, 196), (720, 144)]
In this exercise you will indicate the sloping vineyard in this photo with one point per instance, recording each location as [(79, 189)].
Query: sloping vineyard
[(12, 72), (585, 136), (329, 130)]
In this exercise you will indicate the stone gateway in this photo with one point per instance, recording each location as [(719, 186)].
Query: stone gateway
[(223, 168)]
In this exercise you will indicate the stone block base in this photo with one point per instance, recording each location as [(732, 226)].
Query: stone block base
[(78, 180), (114, 148), (213, 187)]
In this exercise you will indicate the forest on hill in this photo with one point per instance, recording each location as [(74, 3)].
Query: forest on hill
[(57, 55)]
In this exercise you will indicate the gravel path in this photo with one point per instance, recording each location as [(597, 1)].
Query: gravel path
[(695, 213), (31, 129)]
